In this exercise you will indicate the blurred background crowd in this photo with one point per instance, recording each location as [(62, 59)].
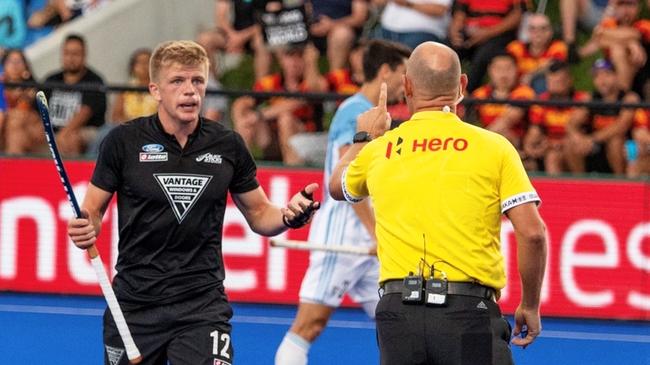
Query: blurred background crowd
[(566, 81)]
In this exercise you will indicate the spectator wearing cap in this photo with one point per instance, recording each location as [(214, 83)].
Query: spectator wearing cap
[(505, 119), (267, 127), (412, 22), (545, 140), (597, 139), (481, 29), (534, 56), (622, 37)]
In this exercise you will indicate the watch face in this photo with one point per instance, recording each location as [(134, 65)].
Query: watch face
[(360, 137)]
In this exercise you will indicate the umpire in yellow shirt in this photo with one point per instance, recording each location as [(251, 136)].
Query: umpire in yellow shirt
[(439, 187)]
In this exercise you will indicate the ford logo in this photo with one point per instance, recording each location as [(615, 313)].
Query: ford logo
[(153, 148)]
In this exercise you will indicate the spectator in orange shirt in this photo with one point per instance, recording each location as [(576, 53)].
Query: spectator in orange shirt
[(597, 140), (544, 142), (256, 122), (505, 119), (622, 37), (533, 57)]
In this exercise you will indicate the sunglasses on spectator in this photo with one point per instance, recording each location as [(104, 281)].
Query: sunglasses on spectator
[(539, 27)]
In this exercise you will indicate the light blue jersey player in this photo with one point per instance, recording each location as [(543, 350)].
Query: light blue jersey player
[(331, 275)]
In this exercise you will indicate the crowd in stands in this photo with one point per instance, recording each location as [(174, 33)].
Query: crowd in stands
[(513, 53)]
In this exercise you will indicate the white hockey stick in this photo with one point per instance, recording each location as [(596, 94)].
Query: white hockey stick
[(132, 351), (310, 246)]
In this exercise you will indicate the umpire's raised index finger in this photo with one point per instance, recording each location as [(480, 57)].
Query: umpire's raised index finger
[(383, 96)]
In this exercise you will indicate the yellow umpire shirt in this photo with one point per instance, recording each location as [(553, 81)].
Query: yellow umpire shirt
[(443, 182)]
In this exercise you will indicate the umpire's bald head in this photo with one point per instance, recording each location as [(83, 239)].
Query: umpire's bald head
[(433, 77)]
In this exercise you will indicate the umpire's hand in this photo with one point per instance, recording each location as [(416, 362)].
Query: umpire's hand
[(376, 121), (81, 231), (527, 326), (301, 207)]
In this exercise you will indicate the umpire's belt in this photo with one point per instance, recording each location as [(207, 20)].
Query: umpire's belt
[(453, 288)]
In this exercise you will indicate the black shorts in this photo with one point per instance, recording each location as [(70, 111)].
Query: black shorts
[(465, 332), (192, 332)]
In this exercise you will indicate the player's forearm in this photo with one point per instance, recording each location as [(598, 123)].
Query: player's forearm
[(335, 188), (531, 258), (267, 221)]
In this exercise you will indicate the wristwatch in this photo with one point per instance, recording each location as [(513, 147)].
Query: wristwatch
[(361, 137)]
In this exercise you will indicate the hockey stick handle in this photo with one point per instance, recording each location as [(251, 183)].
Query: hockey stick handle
[(310, 246), (132, 351)]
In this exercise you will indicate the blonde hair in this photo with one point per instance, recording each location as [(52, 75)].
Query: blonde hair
[(186, 53)]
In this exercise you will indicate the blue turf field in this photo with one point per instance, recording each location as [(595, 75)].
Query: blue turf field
[(63, 330)]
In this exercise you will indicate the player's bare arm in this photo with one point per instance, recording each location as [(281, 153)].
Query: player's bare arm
[(84, 231), (267, 219), (531, 251)]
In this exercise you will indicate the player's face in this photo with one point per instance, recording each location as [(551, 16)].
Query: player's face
[(73, 56), (179, 91), (395, 84), (503, 73), (605, 81)]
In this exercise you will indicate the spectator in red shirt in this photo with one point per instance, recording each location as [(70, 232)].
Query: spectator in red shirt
[(534, 56), (258, 123), (481, 29), (545, 140), (505, 119), (597, 140)]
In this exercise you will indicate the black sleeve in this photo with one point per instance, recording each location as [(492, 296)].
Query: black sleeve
[(108, 168), (244, 178)]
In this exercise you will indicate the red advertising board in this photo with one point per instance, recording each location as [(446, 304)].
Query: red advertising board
[(599, 242)]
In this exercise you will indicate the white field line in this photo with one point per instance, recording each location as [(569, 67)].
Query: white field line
[(284, 321)]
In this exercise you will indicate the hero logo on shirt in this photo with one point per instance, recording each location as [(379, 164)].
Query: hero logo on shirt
[(209, 158), (182, 191), (397, 147), (153, 153)]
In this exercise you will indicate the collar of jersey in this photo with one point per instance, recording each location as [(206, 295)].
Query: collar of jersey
[(171, 136), (434, 116)]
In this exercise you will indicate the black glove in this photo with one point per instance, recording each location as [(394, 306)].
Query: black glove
[(303, 218)]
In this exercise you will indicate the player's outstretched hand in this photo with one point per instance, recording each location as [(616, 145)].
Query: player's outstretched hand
[(81, 231), (527, 326), (301, 207), (376, 121)]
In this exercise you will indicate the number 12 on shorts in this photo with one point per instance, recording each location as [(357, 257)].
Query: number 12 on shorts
[(221, 346)]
